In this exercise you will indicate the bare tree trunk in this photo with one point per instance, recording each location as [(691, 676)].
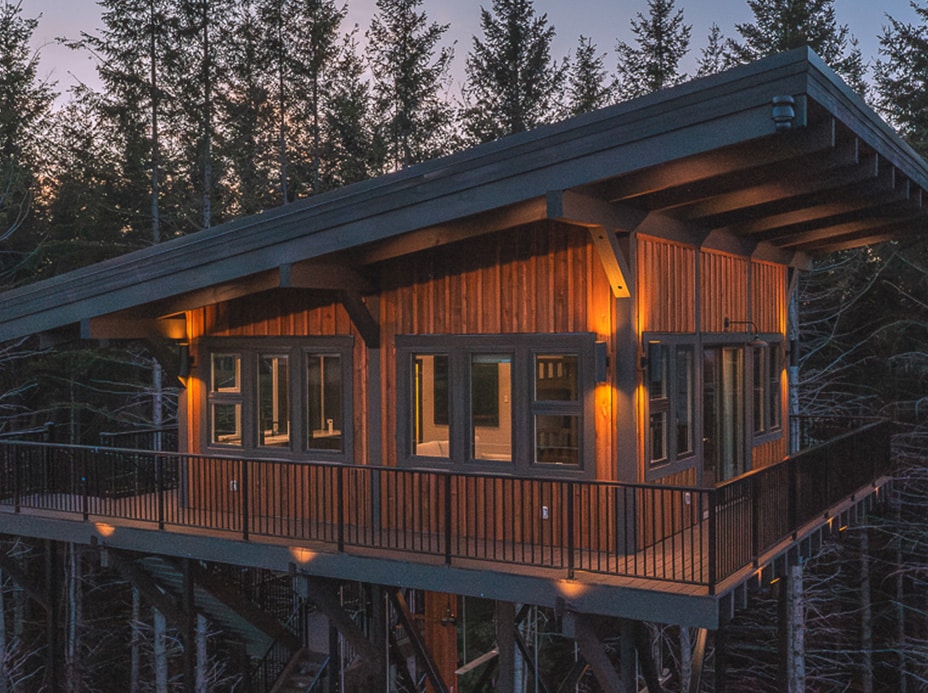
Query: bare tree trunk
[(155, 146), (202, 684), (74, 683), (161, 653), (135, 640), (795, 625), (866, 615), (4, 673), (686, 658)]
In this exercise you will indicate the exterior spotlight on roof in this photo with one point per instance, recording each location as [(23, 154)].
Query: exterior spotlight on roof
[(783, 112)]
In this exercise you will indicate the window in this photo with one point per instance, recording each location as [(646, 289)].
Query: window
[(279, 396), (670, 379), (503, 402), (767, 396)]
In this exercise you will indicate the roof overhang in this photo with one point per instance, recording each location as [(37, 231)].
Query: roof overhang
[(704, 162)]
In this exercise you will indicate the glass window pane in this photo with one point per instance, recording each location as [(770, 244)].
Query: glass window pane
[(225, 373), (658, 436), (324, 402), (556, 378), (657, 369), (760, 384), (491, 406), (774, 408), (273, 401), (431, 407), (226, 424), (557, 439), (683, 401)]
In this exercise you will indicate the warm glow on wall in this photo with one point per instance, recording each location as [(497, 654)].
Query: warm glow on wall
[(104, 529), (302, 555), (571, 589)]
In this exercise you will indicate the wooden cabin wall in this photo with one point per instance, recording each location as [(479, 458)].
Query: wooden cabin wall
[(543, 277), (278, 313), (666, 283), (732, 286), (723, 290)]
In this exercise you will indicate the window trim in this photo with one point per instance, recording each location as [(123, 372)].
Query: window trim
[(523, 347), (672, 462), (250, 350), (768, 431)]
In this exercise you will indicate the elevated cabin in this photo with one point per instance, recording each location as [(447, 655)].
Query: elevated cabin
[(554, 369)]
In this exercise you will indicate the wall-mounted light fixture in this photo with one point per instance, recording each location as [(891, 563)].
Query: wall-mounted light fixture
[(756, 340)]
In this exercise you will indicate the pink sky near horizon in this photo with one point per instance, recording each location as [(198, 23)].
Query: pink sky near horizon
[(605, 21)]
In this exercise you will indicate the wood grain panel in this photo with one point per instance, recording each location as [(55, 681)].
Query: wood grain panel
[(768, 453), (723, 290), (666, 286), (768, 296)]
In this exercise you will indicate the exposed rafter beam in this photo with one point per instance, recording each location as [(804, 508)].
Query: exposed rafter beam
[(865, 227), (157, 597), (799, 185), (118, 327), (730, 160), (451, 232), (322, 274)]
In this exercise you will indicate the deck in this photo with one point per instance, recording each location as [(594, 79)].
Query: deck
[(441, 528)]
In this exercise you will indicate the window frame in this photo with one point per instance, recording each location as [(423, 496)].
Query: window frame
[(297, 350), (668, 403), (523, 348), (770, 389)]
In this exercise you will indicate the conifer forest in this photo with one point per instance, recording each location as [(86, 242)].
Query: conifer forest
[(210, 110)]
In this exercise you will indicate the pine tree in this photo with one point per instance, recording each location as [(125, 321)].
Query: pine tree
[(25, 103), (350, 149), (662, 40), (301, 43), (410, 74), (246, 115), (132, 48), (901, 77), (512, 82), (712, 58), (586, 79), (781, 25)]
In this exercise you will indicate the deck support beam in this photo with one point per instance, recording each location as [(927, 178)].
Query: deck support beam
[(505, 639), (581, 628), (53, 659), (418, 644), (699, 660), (190, 624), (322, 593)]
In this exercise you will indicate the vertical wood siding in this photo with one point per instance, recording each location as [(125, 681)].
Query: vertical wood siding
[(723, 289), (768, 296), (666, 286)]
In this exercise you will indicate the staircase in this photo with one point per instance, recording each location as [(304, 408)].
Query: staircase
[(302, 673)]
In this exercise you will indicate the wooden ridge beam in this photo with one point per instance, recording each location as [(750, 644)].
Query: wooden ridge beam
[(173, 327)]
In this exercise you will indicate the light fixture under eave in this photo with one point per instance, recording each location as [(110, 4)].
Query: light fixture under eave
[(756, 341)]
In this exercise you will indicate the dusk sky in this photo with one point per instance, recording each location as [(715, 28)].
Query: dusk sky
[(604, 21)]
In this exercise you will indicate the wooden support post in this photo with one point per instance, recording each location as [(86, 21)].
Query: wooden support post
[(582, 629), (699, 660), (646, 658), (627, 663), (505, 625), (418, 644)]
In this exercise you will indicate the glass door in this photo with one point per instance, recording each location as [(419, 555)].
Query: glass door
[(723, 414)]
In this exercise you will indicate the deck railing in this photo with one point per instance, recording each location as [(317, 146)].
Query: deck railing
[(689, 535)]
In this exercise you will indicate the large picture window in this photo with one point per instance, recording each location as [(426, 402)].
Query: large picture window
[(501, 402), (280, 396)]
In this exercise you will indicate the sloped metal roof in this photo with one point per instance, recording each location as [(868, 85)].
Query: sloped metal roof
[(705, 157)]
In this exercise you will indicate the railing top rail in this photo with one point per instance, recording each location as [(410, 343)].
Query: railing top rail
[(582, 482)]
